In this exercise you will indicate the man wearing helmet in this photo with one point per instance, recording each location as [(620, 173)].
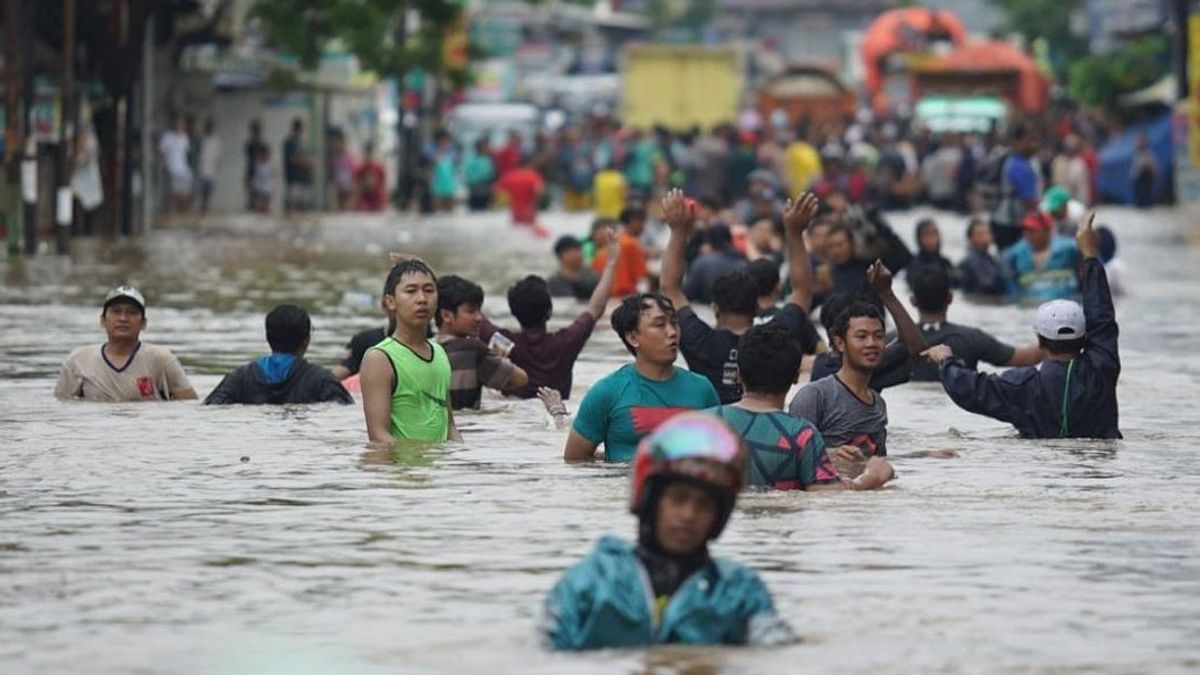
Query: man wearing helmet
[(666, 588), (1074, 392)]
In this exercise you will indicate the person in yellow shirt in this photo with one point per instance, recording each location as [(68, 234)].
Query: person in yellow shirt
[(610, 189), (803, 164)]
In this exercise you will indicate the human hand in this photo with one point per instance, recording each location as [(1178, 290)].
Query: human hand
[(937, 354), (613, 247), (880, 277), (679, 213), (881, 468), (398, 257), (798, 213), (552, 399), (1086, 238), (848, 453)]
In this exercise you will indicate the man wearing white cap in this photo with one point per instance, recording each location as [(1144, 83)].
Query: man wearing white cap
[(124, 368), (1073, 394)]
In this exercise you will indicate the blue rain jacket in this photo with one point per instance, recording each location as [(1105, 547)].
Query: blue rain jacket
[(606, 601), (1031, 399)]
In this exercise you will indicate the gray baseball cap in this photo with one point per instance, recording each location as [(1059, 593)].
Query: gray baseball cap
[(125, 293)]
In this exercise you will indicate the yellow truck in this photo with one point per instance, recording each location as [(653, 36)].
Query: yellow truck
[(679, 86)]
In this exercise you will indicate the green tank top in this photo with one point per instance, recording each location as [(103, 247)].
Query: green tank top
[(422, 392)]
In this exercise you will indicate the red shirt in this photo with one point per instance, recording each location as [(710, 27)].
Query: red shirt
[(372, 190), (523, 187), (506, 159)]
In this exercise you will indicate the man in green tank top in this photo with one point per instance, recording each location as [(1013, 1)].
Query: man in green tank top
[(406, 377)]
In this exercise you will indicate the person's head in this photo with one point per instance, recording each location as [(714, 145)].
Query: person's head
[(1061, 327), (858, 335), (123, 314), (1108, 243), (569, 252), (1024, 139), (979, 235), (410, 293), (264, 153), (735, 294), (1143, 143), (929, 239), (297, 126), (1038, 230), (817, 237), (930, 286), (601, 227), (719, 237), (762, 234), (768, 360), (648, 327), (707, 208), (459, 302), (633, 219), (210, 126), (839, 245), (686, 479), (529, 301), (482, 147), (1055, 202), (442, 139), (514, 138), (765, 273), (288, 330), (178, 123)]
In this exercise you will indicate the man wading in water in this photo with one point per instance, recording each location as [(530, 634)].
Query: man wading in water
[(666, 588), (1074, 392), (406, 377)]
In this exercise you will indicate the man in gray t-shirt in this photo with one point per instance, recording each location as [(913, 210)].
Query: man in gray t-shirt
[(842, 417)]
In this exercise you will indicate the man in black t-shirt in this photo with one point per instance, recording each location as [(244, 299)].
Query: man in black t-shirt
[(932, 297), (357, 347), (712, 352)]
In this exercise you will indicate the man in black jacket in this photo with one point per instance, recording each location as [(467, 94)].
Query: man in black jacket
[(1074, 392), (283, 376)]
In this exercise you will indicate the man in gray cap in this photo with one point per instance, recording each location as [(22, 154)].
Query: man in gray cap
[(123, 368), (1074, 392)]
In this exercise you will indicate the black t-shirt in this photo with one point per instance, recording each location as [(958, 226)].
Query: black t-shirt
[(969, 344), (580, 288), (712, 352), (357, 348), (893, 370)]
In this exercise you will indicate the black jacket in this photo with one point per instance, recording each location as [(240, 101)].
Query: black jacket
[(305, 383), (1031, 399)]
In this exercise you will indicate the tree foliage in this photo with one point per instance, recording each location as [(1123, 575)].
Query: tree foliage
[(366, 28), (1102, 80), (1049, 20)]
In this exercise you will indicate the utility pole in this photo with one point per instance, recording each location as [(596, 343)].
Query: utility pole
[(14, 143), (64, 203)]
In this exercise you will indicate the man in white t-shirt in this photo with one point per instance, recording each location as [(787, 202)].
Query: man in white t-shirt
[(174, 147), (123, 368)]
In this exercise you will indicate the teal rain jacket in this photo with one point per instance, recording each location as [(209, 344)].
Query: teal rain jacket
[(606, 601)]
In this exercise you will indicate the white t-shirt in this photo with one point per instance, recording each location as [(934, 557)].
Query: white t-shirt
[(210, 154), (152, 373), (174, 147)]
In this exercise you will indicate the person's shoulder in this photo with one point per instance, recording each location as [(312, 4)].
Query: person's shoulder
[(157, 352), (688, 378), (1018, 377), (736, 575), (84, 352)]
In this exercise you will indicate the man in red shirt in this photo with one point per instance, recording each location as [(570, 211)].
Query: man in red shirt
[(524, 187), (508, 157), (370, 181)]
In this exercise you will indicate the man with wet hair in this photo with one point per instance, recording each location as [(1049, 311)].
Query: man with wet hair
[(712, 352), (931, 295), (123, 368), (283, 376), (631, 270), (979, 272), (850, 415), (573, 279), (472, 364), (549, 357), (1073, 394), (621, 408), (406, 377), (765, 272), (786, 453)]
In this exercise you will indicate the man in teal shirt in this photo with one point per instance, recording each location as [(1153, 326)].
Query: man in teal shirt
[(1043, 266), (623, 407)]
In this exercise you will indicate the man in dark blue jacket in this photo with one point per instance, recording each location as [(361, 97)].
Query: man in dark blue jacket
[(1074, 392)]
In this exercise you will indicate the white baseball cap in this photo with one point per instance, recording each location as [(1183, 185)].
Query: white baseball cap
[(1061, 320), (125, 293)]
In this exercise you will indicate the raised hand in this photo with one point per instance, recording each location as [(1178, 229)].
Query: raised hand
[(677, 211), (798, 213), (1087, 239), (880, 277), (938, 353), (613, 247)]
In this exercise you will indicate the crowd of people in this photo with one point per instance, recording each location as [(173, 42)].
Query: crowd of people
[(696, 436)]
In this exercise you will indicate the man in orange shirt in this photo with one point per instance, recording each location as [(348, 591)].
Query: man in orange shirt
[(631, 266)]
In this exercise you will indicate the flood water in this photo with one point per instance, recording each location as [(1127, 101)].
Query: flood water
[(176, 538)]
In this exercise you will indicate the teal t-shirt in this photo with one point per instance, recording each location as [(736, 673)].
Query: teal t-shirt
[(625, 406), (786, 453)]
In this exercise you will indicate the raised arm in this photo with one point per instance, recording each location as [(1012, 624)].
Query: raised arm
[(603, 292), (796, 217), (1097, 301), (880, 278), (680, 217)]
